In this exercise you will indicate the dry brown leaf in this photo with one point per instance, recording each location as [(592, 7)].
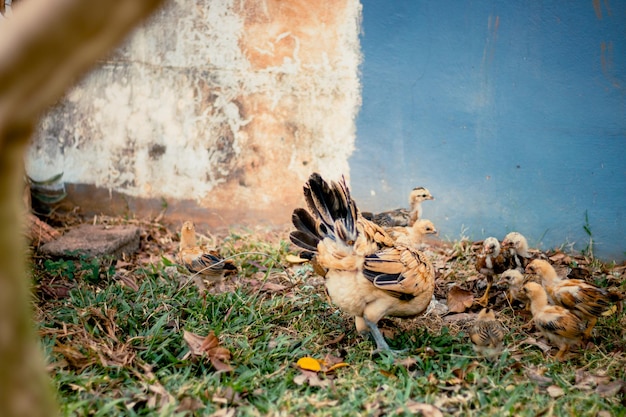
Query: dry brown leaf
[(189, 405), (74, 358), (558, 257), (545, 348), (127, 280), (224, 412), (537, 376), (611, 389), (408, 363), (422, 409), (209, 346), (387, 374), (459, 299), (335, 340), (322, 403), (555, 391), (194, 342), (272, 287), (588, 381), (311, 378)]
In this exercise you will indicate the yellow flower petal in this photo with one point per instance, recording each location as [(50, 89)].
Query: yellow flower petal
[(309, 364), (337, 365)]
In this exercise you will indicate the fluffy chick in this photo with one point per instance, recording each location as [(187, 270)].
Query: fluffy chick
[(417, 196), (513, 280), (585, 300), (206, 263), (490, 263), (402, 217), (487, 334), (367, 274), (515, 247), (413, 235), (559, 325)]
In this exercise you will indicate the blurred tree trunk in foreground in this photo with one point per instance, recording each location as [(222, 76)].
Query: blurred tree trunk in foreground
[(44, 47)]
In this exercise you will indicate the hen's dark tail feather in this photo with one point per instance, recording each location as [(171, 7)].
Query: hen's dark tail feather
[(332, 213), (306, 235)]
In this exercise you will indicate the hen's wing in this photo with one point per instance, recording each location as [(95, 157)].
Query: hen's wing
[(401, 271)]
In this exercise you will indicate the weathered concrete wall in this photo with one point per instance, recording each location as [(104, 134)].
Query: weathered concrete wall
[(220, 108)]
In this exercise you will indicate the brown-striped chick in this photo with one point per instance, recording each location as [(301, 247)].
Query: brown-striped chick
[(201, 262), (487, 334), (585, 300), (559, 325)]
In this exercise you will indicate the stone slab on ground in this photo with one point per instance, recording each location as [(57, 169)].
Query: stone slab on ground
[(94, 241)]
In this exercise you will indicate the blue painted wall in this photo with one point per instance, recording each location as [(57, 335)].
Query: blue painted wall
[(513, 114)]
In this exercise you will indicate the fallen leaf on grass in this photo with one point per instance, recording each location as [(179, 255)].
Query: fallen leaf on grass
[(189, 405), (560, 257), (326, 365), (293, 259), (127, 281), (335, 340), (261, 284), (545, 348), (310, 368), (76, 359), (611, 389), (459, 299), (154, 394), (588, 381), (555, 391), (310, 377), (537, 376), (409, 362), (322, 403), (422, 409), (272, 287), (224, 412), (209, 346)]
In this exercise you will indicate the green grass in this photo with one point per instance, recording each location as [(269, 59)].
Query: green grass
[(114, 350)]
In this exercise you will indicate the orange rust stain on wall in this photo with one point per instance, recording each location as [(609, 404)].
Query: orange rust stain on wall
[(276, 30), (262, 169)]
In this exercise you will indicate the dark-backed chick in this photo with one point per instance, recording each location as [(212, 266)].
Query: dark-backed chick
[(585, 300), (490, 263), (402, 217), (487, 334), (199, 261), (413, 235), (515, 247), (559, 325), (367, 274)]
